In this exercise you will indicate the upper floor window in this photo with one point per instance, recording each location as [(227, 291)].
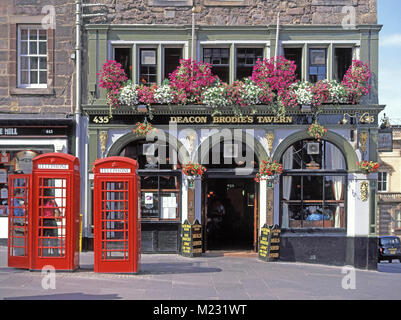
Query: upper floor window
[(32, 57), (219, 58), (148, 66), (342, 61), (124, 57), (295, 54), (172, 57), (317, 64), (246, 60), (382, 183)]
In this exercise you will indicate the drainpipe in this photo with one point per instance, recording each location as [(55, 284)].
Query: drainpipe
[(77, 112), (277, 37)]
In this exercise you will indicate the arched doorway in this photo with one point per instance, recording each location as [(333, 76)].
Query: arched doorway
[(313, 186), (230, 213)]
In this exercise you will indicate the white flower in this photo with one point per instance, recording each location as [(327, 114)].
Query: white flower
[(338, 92), (252, 93), (128, 96), (164, 94), (214, 97), (303, 92)]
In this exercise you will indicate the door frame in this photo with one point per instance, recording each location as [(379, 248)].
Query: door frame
[(217, 175)]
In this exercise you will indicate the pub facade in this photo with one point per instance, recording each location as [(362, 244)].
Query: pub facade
[(325, 206)]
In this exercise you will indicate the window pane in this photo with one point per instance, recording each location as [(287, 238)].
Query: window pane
[(292, 213), (334, 159), (24, 47), (342, 61), (24, 63), (34, 77), (33, 47), (34, 63), (312, 188), (149, 204), (43, 63), (313, 216), (123, 56), (292, 187), (42, 47), (33, 34), (24, 34), (172, 58), (295, 54), (334, 188), (42, 34), (43, 77), (24, 77)]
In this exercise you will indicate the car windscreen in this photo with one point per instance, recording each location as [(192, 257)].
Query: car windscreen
[(390, 241)]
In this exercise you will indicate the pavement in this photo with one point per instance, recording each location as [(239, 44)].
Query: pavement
[(215, 276)]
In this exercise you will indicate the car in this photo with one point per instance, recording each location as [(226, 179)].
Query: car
[(389, 248)]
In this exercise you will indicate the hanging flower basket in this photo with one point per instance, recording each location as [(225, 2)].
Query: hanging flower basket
[(367, 167), (192, 170), (317, 131), (269, 170), (143, 128)]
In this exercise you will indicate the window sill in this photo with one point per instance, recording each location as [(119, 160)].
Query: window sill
[(31, 91)]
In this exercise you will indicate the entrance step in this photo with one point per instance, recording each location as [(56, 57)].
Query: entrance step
[(228, 253)]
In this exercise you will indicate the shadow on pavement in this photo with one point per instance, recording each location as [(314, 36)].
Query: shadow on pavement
[(164, 268), (68, 296), (386, 267)]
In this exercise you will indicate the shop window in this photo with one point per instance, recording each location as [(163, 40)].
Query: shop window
[(219, 58), (172, 57), (147, 66), (124, 57), (14, 160), (32, 57), (246, 60), (382, 182), (313, 195), (317, 65), (342, 62), (295, 54)]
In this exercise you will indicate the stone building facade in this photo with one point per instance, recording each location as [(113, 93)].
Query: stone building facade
[(236, 12), (154, 34), (36, 84)]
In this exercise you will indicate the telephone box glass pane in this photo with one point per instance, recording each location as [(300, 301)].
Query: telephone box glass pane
[(52, 218), (19, 217), (114, 220)]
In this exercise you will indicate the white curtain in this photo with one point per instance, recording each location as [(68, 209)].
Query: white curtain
[(287, 181), (335, 160)]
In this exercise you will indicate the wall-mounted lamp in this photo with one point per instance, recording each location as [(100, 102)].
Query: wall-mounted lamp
[(365, 118)]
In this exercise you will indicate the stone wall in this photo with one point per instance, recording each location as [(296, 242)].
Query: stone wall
[(235, 12), (61, 45)]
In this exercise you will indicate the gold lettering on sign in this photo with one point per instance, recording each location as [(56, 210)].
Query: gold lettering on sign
[(191, 119)]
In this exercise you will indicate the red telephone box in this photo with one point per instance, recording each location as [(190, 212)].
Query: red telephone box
[(117, 233), (18, 220), (54, 216)]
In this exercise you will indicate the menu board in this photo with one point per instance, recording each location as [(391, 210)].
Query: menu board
[(191, 239), (186, 238), (3, 175), (269, 243)]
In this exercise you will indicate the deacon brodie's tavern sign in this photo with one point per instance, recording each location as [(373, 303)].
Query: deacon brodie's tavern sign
[(194, 119)]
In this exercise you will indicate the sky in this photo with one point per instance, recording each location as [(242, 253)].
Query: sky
[(389, 15)]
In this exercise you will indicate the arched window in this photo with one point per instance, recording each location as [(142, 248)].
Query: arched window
[(160, 179), (313, 186)]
